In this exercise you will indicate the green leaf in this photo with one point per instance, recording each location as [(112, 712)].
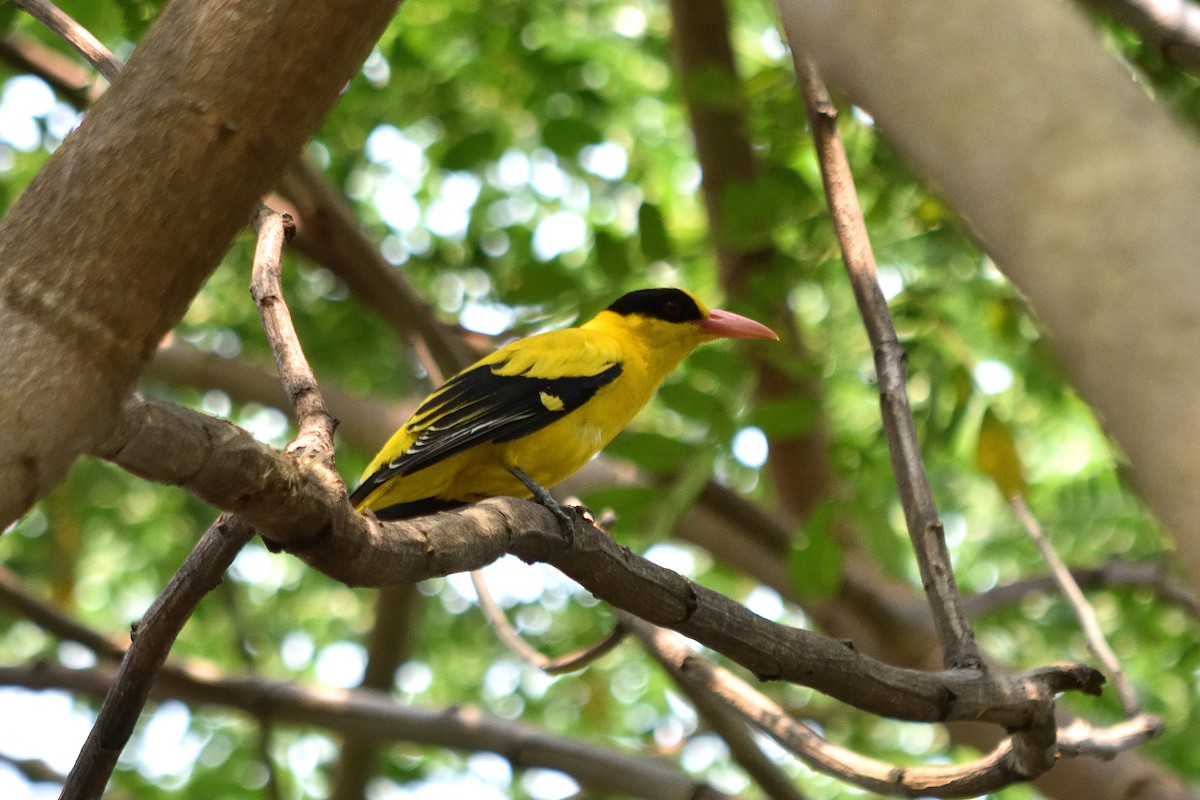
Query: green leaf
[(786, 418), (612, 255), (681, 396), (567, 136), (656, 245), (815, 562), (471, 150), (652, 451)]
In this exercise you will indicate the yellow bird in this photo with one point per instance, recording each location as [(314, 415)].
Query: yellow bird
[(542, 406)]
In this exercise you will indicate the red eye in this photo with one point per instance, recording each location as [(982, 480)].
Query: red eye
[(672, 311)]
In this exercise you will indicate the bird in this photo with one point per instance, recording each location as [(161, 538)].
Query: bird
[(533, 412)]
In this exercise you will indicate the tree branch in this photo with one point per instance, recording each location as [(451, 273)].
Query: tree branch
[(1113, 574), (74, 83), (1023, 756), (206, 564), (509, 637), (920, 512), (726, 721), (318, 525), (88, 286), (73, 34), (376, 716), (152, 639), (1079, 604)]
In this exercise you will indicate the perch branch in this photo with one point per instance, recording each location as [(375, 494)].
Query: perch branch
[(311, 520)]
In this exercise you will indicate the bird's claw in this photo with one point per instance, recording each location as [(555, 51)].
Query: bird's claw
[(541, 495)]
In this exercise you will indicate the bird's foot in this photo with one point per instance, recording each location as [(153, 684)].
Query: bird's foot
[(541, 495)]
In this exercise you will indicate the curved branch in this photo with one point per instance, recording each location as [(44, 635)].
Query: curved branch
[(73, 34), (509, 637), (152, 639)]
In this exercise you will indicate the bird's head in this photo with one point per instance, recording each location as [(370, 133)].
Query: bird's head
[(675, 320)]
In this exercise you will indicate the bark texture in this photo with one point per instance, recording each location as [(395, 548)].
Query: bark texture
[(1079, 185), (103, 252)]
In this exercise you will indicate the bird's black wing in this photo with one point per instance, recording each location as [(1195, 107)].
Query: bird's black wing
[(479, 406)]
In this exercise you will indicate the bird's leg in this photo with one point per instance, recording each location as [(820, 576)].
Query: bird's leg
[(566, 522)]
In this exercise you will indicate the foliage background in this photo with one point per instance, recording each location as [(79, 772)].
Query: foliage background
[(521, 164)]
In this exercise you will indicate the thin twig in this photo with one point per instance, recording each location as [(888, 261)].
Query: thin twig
[(74, 34), (1081, 738), (152, 639), (1079, 604), (920, 512), (316, 425), (516, 645)]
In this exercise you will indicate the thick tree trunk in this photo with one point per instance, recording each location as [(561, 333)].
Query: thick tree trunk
[(103, 252), (1080, 186)]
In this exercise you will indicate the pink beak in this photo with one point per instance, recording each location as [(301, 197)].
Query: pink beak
[(734, 326)]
